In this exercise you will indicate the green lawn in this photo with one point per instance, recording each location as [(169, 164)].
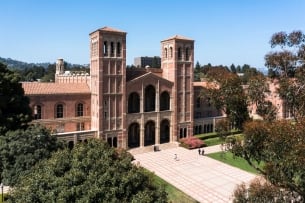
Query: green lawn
[(212, 141), (174, 194), (1, 198), (228, 158)]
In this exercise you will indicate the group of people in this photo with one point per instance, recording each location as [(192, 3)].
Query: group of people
[(201, 151)]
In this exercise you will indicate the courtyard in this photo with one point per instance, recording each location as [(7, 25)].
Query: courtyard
[(202, 178)]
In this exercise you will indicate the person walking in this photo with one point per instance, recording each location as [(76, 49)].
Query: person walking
[(199, 151)]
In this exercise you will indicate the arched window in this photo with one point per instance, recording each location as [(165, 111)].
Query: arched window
[(171, 52), (118, 49), (165, 53), (134, 135), (198, 102), (164, 131), (59, 111), (111, 49), (80, 109), (149, 137), (164, 101), (150, 97), (187, 56), (134, 103), (37, 112), (105, 49), (179, 53)]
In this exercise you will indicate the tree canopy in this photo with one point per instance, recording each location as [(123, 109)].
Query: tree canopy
[(281, 146), (288, 66), (20, 150), (15, 112), (227, 95), (90, 172)]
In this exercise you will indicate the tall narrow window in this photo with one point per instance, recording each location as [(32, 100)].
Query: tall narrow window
[(37, 112), (171, 52), (59, 111), (179, 53), (118, 49), (80, 126), (79, 109), (111, 49), (198, 101), (165, 52), (105, 49), (187, 56)]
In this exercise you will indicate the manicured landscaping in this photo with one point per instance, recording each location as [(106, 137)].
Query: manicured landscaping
[(174, 194), (213, 141), (229, 158)]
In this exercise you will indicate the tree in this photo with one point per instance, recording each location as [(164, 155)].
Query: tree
[(257, 91), (15, 112), (288, 67), (281, 146), (90, 172), (261, 190), (20, 150), (50, 73), (233, 68), (226, 94)]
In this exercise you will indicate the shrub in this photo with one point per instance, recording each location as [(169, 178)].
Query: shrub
[(191, 142)]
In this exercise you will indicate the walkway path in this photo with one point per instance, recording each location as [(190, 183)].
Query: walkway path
[(201, 177)]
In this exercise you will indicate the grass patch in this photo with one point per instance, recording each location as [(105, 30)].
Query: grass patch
[(216, 140), (1, 197), (212, 141), (230, 159), (174, 194)]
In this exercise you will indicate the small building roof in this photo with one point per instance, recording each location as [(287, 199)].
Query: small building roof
[(41, 88), (179, 37), (109, 29)]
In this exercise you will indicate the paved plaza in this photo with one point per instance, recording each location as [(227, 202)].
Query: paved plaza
[(201, 177)]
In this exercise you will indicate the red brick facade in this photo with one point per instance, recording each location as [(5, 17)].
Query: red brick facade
[(129, 108)]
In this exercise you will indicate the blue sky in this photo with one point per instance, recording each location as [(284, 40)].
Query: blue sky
[(225, 32)]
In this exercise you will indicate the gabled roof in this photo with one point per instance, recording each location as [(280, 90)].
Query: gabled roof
[(109, 29), (179, 37), (41, 88), (150, 75)]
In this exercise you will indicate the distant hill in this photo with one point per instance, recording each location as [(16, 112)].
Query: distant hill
[(15, 64)]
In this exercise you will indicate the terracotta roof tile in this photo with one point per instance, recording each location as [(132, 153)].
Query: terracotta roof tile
[(178, 37), (40, 88), (108, 29)]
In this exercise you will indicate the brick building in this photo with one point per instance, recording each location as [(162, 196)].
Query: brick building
[(129, 108)]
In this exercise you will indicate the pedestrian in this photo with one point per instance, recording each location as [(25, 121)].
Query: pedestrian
[(199, 151), (175, 157), (202, 152)]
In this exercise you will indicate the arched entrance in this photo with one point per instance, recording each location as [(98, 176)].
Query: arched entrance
[(149, 137), (150, 97), (134, 135), (164, 101), (164, 132), (134, 103)]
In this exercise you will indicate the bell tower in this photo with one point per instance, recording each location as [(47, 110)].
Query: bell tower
[(60, 67), (177, 62), (108, 80)]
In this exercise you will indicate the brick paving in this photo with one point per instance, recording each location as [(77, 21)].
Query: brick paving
[(203, 178)]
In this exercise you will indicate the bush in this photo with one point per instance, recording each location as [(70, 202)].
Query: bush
[(191, 142)]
